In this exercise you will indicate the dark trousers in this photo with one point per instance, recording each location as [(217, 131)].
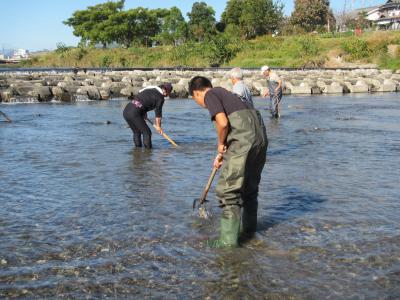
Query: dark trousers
[(135, 119)]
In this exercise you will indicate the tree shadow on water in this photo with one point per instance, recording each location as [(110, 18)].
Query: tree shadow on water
[(294, 204)]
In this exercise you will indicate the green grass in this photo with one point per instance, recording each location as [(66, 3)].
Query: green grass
[(288, 51)]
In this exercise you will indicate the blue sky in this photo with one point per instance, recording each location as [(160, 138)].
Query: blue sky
[(37, 24)]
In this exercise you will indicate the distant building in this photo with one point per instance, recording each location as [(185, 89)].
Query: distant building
[(2, 57), (386, 16), (20, 54)]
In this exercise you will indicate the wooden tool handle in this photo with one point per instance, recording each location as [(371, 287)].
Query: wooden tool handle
[(164, 135), (169, 139), (5, 116), (207, 188)]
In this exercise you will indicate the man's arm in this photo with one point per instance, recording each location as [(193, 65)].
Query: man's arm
[(222, 125), (158, 125)]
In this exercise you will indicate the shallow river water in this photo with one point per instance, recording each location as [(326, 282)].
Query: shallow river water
[(84, 215)]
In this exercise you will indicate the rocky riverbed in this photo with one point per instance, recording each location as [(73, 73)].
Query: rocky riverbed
[(45, 86)]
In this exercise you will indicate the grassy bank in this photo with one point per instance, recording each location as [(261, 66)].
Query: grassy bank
[(325, 50)]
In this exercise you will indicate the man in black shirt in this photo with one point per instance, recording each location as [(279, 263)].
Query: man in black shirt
[(242, 146), (135, 112)]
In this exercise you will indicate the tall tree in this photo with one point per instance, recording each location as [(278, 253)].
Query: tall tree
[(253, 17), (174, 28), (90, 24), (310, 14), (232, 12), (201, 21)]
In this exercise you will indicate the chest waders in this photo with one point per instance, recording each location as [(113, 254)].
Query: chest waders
[(275, 98), (240, 176)]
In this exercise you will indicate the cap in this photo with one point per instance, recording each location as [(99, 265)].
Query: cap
[(167, 87), (264, 68)]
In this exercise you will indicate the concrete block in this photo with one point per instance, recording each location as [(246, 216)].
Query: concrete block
[(303, 88), (359, 87), (91, 92), (41, 93)]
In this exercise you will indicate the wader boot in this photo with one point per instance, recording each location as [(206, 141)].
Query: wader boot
[(229, 228), (249, 222)]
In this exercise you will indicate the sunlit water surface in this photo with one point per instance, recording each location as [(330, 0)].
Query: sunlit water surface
[(83, 214)]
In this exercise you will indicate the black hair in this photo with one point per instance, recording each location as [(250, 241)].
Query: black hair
[(199, 83), (166, 86)]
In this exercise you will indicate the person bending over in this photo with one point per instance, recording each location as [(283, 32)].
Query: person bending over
[(135, 112), (242, 146)]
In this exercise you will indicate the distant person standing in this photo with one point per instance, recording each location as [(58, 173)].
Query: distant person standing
[(135, 112), (240, 88), (274, 90)]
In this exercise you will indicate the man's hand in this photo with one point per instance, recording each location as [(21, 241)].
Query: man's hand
[(159, 129), (221, 149), (266, 93), (218, 161)]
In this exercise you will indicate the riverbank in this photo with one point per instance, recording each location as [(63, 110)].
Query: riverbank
[(333, 50), (70, 85)]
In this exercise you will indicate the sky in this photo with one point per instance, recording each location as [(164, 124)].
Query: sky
[(37, 24)]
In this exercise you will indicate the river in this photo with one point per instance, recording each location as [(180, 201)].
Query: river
[(84, 215)]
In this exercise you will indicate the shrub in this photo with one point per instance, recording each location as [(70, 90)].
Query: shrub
[(308, 46), (220, 51), (356, 48), (106, 61), (80, 53), (62, 48)]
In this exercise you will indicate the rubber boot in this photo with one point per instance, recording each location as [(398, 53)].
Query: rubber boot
[(229, 230), (249, 222)]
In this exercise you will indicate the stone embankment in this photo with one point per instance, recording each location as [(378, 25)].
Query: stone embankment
[(102, 85)]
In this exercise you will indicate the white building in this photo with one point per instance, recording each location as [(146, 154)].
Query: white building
[(386, 16), (20, 54)]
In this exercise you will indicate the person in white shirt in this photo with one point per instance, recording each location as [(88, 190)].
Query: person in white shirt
[(274, 90)]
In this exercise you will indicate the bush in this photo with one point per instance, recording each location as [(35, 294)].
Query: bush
[(308, 46), (62, 48), (356, 48), (80, 53), (220, 51), (106, 61)]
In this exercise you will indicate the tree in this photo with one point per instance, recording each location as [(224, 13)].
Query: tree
[(253, 17), (174, 28), (201, 21), (360, 21), (90, 24), (232, 12), (310, 14)]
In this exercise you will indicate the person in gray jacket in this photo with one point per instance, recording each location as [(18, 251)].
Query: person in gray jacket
[(240, 88)]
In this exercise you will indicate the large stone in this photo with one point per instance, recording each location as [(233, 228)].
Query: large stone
[(130, 91), (91, 92), (386, 86), (61, 95), (303, 88), (22, 90), (105, 94), (41, 93), (180, 91), (359, 87), (6, 96)]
